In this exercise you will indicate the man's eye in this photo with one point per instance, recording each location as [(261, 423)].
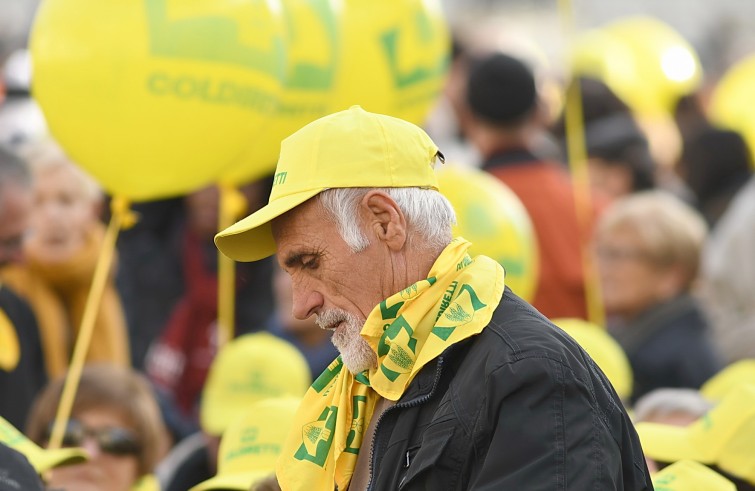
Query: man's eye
[(310, 263)]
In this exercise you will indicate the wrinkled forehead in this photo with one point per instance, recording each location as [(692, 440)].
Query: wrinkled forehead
[(298, 219), (301, 230)]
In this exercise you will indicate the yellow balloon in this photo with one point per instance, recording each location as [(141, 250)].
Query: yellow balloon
[(390, 57), (646, 62), (732, 101), (493, 219), (311, 59), (393, 57), (154, 98)]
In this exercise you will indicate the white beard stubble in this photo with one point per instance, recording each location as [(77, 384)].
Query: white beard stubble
[(355, 352)]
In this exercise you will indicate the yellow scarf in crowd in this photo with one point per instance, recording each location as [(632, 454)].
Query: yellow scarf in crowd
[(407, 331)]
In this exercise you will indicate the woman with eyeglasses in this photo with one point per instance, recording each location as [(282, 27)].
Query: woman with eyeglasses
[(115, 418), (648, 248)]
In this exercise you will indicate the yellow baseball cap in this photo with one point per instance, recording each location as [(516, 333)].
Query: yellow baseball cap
[(250, 368), (40, 458), (687, 475), (734, 375), (348, 149), (251, 445), (722, 437), (602, 348)]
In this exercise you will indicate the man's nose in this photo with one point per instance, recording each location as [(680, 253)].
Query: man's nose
[(306, 301)]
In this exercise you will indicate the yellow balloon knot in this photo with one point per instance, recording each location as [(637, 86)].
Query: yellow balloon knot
[(121, 207)]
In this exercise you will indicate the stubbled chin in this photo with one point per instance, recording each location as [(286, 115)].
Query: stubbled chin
[(357, 356)]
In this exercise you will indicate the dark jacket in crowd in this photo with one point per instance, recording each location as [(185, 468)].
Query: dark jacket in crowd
[(20, 385), (669, 346), (520, 406)]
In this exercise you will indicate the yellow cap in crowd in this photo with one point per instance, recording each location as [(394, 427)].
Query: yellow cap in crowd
[(348, 149), (606, 352), (248, 369), (738, 373), (687, 475), (251, 446), (40, 458), (724, 436)]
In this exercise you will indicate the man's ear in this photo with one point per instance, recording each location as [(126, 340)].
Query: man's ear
[(384, 218)]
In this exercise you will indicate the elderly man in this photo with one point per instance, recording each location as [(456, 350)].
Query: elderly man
[(446, 379)]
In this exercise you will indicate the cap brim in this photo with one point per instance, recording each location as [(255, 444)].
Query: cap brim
[(240, 481), (50, 459), (666, 443), (251, 238)]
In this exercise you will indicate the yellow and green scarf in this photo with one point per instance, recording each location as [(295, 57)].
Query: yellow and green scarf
[(407, 331)]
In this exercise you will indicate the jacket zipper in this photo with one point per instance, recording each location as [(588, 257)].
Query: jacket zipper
[(412, 403)]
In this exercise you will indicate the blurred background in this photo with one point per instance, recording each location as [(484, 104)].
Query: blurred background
[(721, 32)]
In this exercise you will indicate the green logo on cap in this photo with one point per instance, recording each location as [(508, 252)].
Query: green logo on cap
[(280, 178)]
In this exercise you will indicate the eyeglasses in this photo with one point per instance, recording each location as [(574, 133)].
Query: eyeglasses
[(616, 254), (111, 440)]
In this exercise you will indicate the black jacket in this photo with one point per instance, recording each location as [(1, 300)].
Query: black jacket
[(668, 345), (19, 387), (518, 407)]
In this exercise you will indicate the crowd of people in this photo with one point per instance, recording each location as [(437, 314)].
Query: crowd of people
[(498, 397)]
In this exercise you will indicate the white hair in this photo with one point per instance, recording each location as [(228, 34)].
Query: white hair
[(664, 402), (428, 214)]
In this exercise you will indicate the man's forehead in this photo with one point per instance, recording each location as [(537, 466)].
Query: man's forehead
[(294, 218)]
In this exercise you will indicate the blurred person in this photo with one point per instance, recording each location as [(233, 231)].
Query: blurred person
[(678, 407), (430, 339), (648, 247), (61, 252), (22, 364), (618, 154), (248, 369), (167, 278), (505, 120), (728, 277), (313, 342), (251, 445), (183, 350), (715, 164), (115, 418), (721, 439), (690, 115)]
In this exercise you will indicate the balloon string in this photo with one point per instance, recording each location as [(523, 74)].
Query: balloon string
[(577, 157), (232, 205), (121, 217)]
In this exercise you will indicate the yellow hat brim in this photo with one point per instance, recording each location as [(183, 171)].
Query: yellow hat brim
[(666, 443), (46, 459), (251, 238)]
